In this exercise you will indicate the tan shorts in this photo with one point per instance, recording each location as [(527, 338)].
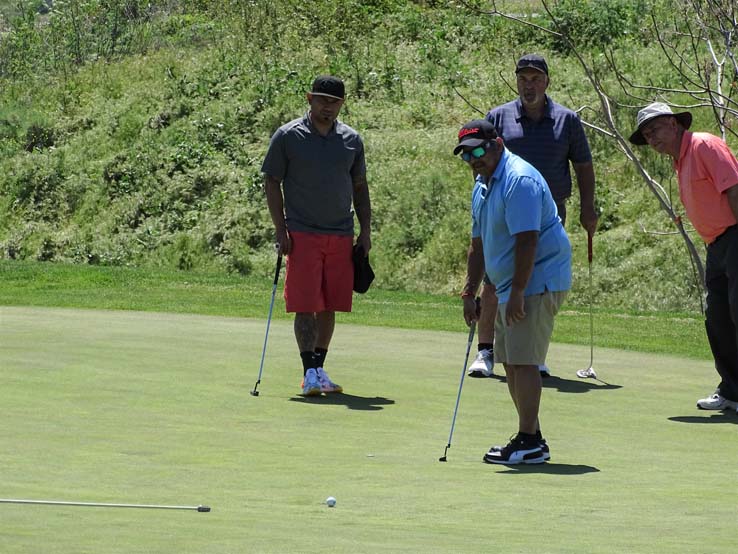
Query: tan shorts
[(526, 342)]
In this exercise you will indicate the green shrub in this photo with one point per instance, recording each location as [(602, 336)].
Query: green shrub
[(596, 23)]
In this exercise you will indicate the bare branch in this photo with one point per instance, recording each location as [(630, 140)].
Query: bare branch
[(468, 103)]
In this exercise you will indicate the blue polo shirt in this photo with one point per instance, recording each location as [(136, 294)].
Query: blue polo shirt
[(548, 144), (317, 174), (516, 199)]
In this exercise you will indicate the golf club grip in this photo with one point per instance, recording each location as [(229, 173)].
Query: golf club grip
[(279, 266), (589, 248)]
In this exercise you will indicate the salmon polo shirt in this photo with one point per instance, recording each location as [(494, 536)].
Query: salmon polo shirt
[(706, 168)]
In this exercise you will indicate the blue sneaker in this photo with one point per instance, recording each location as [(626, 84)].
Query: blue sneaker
[(326, 385), (310, 383)]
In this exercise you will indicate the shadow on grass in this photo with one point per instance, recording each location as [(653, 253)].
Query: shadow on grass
[(727, 417), (571, 385), (351, 401), (551, 469)]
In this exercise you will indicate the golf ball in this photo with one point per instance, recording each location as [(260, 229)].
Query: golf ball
[(330, 501)]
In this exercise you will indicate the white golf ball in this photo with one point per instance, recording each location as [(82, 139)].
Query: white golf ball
[(330, 501)]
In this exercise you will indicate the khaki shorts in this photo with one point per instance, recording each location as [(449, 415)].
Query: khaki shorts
[(526, 342)]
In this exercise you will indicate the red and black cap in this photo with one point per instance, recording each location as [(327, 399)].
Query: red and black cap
[(475, 133)]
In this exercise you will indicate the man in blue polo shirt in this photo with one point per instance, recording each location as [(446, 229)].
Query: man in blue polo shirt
[(519, 243), (550, 137)]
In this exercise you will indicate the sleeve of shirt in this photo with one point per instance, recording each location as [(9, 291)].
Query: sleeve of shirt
[(358, 169), (493, 116), (476, 232), (524, 205), (579, 151), (275, 162), (719, 163)]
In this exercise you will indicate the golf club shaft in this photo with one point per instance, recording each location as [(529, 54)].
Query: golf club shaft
[(472, 327), (103, 505), (269, 317), (591, 293)]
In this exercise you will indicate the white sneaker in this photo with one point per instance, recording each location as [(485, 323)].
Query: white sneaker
[(326, 385), (716, 402), (310, 383), (482, 364), (545, 372)]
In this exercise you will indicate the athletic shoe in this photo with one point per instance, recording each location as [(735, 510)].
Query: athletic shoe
[(518, 451), (326, 385), (545, 372), (482, 364), (310, 383), (542, 443), (716, 402)]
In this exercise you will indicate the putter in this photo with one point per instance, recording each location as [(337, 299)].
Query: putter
[(103, 505), (269, 320), (461, 384), (589, 373)]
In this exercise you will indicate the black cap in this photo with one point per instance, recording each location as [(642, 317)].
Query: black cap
[(363, 272), (475, 133), (534, 61), (327, 85)]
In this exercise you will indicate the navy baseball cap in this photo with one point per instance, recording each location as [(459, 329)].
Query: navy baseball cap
[(534, 61), (327, 85), (475, 133)]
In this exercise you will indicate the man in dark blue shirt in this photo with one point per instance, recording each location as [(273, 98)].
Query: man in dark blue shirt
[(549, 137)]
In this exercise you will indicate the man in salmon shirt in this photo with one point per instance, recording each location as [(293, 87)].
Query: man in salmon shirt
[(708, 187)]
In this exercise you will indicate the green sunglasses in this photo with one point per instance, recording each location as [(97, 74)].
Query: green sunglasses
[(476, 153)]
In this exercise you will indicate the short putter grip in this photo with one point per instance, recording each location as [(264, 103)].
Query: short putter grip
[(589, 248), (279, 266)]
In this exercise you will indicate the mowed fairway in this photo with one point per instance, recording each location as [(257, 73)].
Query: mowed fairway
[(147, 408)]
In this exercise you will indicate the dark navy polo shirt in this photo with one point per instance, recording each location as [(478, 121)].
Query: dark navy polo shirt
[(549, 144), (317, 175)]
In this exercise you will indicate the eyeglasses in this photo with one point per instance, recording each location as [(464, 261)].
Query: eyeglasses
[(476, 153)]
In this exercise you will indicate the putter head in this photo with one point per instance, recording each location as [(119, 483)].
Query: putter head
[(588, 373), (254, 392), (445, 451)]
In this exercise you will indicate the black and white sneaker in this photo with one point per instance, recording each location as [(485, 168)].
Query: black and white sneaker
[(542, 443), (520, 450)]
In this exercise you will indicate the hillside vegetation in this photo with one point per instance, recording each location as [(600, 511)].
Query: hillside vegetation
[(132, 132)]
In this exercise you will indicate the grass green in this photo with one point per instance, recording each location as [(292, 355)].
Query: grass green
[(163, 290), (146, 407)]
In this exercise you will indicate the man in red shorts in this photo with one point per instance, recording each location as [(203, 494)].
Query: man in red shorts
[(315, 178), (707, 172)]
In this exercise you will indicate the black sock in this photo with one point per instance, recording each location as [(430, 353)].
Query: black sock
[(320, 354), (527, 437), (484, 346), (538, 435), (308, 361)]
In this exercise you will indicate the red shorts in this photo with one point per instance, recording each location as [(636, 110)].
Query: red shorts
[(320, 273)]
